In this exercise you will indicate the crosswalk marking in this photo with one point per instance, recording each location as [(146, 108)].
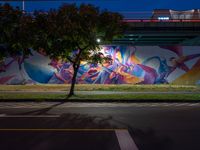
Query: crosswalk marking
[(125, 140)]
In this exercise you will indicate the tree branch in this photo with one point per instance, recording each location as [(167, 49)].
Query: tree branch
[(70, 59), (83, 47)]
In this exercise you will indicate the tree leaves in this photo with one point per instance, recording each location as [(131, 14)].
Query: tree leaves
[(59, 32), (69, 33)]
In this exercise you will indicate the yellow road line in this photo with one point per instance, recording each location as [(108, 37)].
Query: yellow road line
[(50, 129)]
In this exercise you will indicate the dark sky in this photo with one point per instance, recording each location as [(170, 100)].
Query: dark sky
[(116, 5)]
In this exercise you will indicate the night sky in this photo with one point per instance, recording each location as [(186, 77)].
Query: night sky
[(116, 5)]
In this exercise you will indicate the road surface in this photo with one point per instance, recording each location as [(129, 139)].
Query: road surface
[(151, 126)]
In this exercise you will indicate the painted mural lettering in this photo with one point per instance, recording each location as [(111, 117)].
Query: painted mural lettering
[(127, 65)]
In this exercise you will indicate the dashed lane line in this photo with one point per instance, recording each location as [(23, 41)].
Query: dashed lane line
[(28, 116)]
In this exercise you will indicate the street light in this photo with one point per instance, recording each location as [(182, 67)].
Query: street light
[(98, 40), (23, 6)]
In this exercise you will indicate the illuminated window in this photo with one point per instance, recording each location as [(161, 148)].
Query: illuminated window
[(163, 18)]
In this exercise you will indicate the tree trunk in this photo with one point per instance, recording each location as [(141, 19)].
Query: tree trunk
[(76, 65), (71, 92)]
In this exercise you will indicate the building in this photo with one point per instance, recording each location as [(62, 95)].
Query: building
[(167, 14)]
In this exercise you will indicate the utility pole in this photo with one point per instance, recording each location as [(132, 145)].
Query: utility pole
[(23, 6)]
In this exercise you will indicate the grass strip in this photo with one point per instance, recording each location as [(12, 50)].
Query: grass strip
[(101, 87), (38, 97)]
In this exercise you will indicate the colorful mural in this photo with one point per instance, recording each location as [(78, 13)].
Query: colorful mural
[(127, 65)]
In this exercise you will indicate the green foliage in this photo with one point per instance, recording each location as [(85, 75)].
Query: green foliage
[(17, 32), (69, 33), (61, 32)]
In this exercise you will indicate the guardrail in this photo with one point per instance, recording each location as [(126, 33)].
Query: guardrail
[(157, 20)]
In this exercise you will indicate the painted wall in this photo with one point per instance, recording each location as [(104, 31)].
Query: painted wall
[(129, 65)]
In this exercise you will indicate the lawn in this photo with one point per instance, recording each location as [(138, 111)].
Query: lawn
[(41, 97), (29, 89), (101, 87)]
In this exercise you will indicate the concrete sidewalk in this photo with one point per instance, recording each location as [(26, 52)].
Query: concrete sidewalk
[(66, 105)]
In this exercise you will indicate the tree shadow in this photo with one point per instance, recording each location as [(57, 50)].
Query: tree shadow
[(43, 111), (64, 139), (84, 121), (145, 139)]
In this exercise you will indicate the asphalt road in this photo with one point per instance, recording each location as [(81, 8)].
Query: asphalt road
[(152, 126)]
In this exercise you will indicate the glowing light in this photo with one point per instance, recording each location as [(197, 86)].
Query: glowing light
[(98, 40), (163, 18)]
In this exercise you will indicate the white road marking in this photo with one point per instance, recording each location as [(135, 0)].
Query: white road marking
[(195, 104), (2, 115), (28, 116), (125, 140)]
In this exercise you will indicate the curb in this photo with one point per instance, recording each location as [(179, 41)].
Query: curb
[(100, 100)]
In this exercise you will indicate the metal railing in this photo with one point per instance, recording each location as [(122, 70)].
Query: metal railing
[(129, 16), (157, 20), (159, 17)]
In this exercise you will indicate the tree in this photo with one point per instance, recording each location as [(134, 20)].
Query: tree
[(15, 33), (71, 33), (8, 20)]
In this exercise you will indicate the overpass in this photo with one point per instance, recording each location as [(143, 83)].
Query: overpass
[(162, 27)]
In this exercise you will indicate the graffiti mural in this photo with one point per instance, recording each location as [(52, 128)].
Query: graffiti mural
[(127, 65)]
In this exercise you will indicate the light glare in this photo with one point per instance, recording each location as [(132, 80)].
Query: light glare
[(98, 40)]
